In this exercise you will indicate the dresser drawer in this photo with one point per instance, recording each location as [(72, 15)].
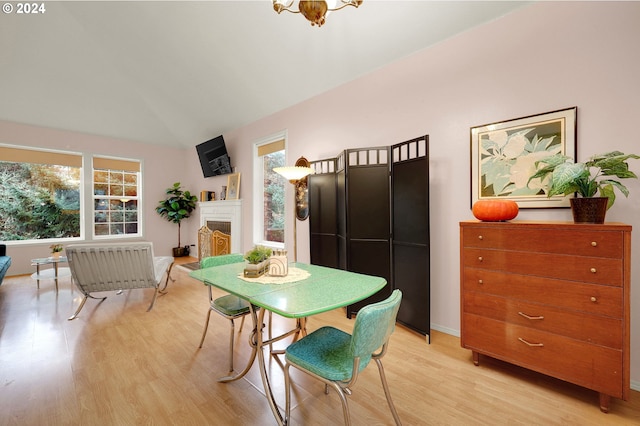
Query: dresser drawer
[(594, 299), (586, 269), (594, 329), (559, 241), (592, 366)]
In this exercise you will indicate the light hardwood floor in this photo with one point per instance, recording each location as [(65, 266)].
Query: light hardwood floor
[(120, 365)]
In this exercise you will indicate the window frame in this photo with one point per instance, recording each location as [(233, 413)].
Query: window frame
[(258, 192), (117, 164), (15, 153)]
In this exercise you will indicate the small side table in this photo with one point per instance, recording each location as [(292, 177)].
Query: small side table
[(54, 272)]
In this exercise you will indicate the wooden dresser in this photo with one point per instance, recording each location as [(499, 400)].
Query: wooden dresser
[(550, 296)]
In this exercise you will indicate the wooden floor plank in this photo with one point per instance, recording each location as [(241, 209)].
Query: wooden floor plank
[(118, 364)]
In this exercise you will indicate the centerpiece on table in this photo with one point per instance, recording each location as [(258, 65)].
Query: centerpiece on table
[(587, 179), (258, 261)]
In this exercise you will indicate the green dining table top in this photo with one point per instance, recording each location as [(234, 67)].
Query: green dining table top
[(324, 290)]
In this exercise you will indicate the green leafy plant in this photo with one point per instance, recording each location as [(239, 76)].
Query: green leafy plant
[(257, 254), (588, 178), (178, 206), (56, 248)]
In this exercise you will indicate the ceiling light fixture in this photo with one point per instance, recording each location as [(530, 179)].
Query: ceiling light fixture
[(314, 10)]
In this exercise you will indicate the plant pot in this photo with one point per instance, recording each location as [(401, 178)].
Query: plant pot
[(180, 252), (589, 210), (255, 270)]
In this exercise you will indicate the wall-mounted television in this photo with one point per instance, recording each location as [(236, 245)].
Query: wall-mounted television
[(213, 156)]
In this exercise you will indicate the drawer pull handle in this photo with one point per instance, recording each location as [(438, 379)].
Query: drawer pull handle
[(593, 270), (594, 244), (480, 282), (529, 317), (480, 237), (480, 258), (593, 299), (539, 345)]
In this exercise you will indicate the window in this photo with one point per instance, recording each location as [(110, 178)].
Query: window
[(40, 195), (116, 189), (269, 196)]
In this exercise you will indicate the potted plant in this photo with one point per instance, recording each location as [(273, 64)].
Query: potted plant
[(56, 249), (258, 258), (177, 206), (587, 179)]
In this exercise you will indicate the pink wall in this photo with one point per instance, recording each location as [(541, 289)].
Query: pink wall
[(544, 57)]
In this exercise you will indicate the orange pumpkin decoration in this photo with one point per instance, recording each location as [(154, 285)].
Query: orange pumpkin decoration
[(495, 210)]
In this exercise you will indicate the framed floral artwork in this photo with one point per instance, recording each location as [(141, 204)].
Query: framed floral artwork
[(504, 156)]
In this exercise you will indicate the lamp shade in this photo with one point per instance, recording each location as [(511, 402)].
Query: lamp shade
[(293, 173)]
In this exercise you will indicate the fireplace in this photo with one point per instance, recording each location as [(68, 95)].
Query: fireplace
[(224, 216)]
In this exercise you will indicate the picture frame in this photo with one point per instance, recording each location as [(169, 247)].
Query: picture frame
[(233, 187), (503, 157)]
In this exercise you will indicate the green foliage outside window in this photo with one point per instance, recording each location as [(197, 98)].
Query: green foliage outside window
[(39, 201)]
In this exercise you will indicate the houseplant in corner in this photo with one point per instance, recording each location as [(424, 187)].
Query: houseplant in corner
[(258, 258), (177, 206), (587, 179)]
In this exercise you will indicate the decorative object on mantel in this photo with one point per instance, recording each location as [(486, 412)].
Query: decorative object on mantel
[(495, 210), (564, 177), (223, 193), (233, 187), (297, 175), (314, 10), (56, 249), (278, 264), (178, 206), (207, 196), (258, 258)]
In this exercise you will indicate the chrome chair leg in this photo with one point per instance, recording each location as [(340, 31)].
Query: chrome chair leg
[(77, 312), (232, 336), (153, 301), (206, 327), (387, 393)]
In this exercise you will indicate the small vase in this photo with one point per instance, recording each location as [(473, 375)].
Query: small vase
[(589, 210), (55, 255)]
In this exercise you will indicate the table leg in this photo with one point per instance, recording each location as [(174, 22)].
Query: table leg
[(38, 275), (55, 274), (263, 369)]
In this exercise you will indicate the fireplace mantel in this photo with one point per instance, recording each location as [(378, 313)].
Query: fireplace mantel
[(224, 211)]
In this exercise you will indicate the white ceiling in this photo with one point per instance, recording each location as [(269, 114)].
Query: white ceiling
[(178, 73)]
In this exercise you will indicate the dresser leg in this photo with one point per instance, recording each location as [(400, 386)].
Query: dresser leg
[(604, 402), (476, 357)]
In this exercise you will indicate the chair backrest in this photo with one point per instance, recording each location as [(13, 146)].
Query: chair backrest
[(111, 266), (223, 259), (374, 325)]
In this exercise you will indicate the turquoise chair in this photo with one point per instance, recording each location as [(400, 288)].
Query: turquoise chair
[(335, 357), (230, 307)]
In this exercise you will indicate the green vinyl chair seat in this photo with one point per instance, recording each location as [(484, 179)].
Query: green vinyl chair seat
[(230, 305), (325, 352)]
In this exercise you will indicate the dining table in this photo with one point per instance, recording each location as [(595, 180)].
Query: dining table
[(305, 291)]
